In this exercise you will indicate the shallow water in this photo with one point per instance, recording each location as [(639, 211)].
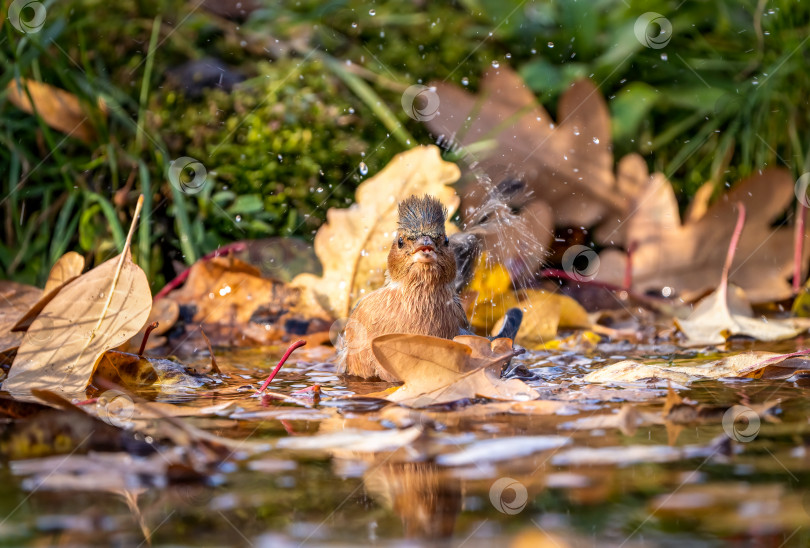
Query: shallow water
[(600, 487)]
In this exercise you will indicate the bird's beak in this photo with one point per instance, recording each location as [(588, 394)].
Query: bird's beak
[(424, 250)]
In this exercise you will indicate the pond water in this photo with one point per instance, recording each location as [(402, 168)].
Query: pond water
[(540, 481)]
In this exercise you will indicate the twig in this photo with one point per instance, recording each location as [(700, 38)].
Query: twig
[(290, 350), (152, 327), (214, 366)]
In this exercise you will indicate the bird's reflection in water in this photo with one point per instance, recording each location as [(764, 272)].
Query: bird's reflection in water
[(424, 497)]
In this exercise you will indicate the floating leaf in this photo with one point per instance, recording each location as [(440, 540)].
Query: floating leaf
[(750, 364), (437, 370)]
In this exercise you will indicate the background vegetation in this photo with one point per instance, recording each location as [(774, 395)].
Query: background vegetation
[(307, 102)]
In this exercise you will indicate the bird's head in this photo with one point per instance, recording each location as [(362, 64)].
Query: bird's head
[(421, 250)]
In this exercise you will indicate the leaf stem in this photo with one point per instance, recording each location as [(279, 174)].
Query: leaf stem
[(290, 350)]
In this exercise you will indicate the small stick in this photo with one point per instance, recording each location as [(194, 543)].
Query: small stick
[(152, 327), (214, 366), (290, 350)]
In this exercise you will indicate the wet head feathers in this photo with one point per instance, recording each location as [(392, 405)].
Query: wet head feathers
[(425, 215)]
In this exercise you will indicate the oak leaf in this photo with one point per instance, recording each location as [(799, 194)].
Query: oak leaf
[(688, 257), (567, 164), (437, 370)]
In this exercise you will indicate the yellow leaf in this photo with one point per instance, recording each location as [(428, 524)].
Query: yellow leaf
[(353, 244), (543, 314)]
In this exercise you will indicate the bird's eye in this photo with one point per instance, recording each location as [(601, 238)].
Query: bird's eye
[(446, 241), (400, 243)]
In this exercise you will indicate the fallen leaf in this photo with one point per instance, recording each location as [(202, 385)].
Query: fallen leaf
[(543, 312), (65, 270), (568, 164), (713, 321), (750, 364), (726, 312), (227, 290), (685, 256), (94, 313), (355, 440), (15, 300), (499, 449), (437, 370), (58, 108), (353, 244), (630, 454)]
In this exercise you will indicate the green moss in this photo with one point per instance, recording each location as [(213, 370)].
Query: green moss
[(280, 150)]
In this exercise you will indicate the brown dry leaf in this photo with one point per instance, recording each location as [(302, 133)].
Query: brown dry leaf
[(568, 165), (353, 244), (751, 364), (688, 258), (58, 108), (437, 370), (65, 270), (15, 300), (228, 291), (94, 313)]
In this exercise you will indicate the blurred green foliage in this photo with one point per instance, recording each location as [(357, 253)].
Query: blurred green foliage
[(726, 96)]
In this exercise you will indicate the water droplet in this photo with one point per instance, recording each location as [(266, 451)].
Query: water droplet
[(495, 64), (551, 44), (508, 56), (238, 218), (465, 81), (372, 12), (354, 25), (363, 168), (596, 140), (664, 57)]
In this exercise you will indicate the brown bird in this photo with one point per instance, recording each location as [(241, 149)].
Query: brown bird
[(420, 294)]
